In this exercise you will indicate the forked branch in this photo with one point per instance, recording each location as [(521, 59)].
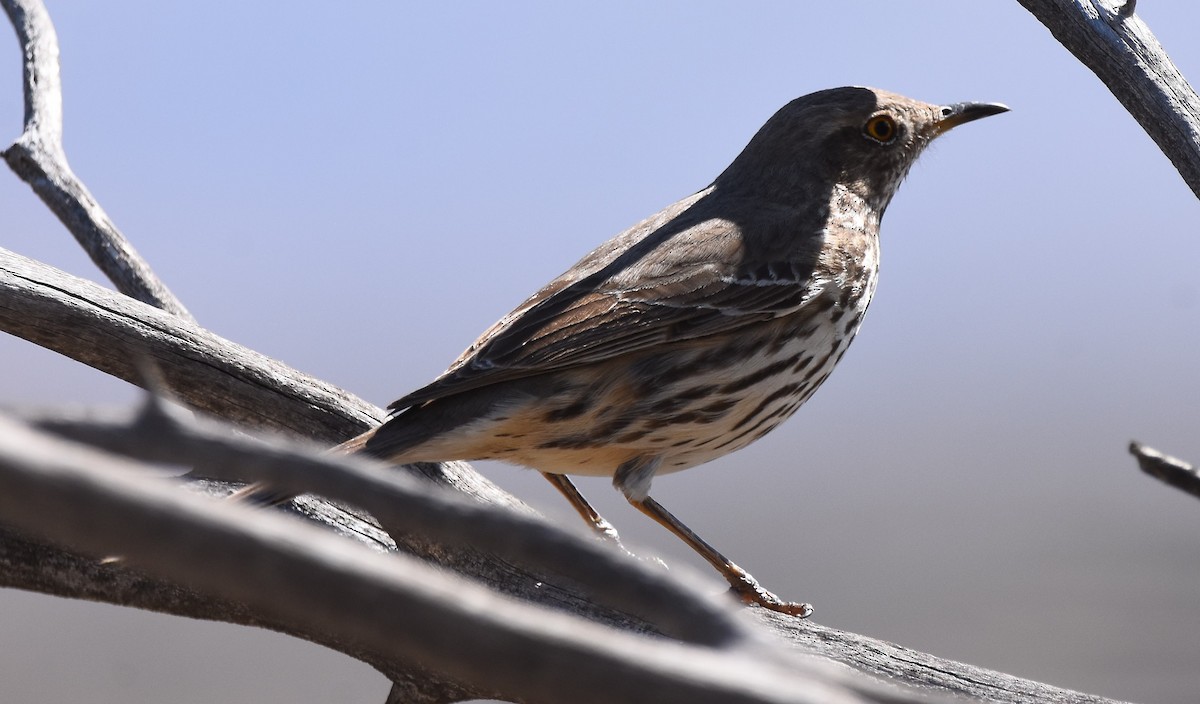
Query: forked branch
[(39, 159)]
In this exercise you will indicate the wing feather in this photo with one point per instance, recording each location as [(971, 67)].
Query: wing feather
[(680, 275)]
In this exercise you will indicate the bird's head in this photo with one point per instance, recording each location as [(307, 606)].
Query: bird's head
[(860, 138)]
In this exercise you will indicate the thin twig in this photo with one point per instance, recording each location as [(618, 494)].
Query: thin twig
[(39, 159), (1169, 470)]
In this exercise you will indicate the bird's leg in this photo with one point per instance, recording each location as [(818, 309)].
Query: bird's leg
[(598, 523), (741, 582), (633, 479)]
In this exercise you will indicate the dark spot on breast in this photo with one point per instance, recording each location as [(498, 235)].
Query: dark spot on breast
[(719, 408), (845, 297), (816, 368), (773, 369), (631, 436), (782, 392), (574, 409), (662, 370), (852, 324), (678, 400)]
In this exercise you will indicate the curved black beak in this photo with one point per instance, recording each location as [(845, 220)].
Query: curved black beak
[(958, 113)]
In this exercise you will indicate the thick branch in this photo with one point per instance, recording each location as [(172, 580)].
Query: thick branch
[(391, 604), (116, 334), (39, 159), (917, 669), (1122, 51), (37, 566), (406, 506), (863, 653)]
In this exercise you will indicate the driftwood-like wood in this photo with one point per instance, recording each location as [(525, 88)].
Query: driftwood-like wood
[(1170, 470), (407, 506), (392, 604), (38, 158), (119, 336), (519, 651), (34, 565), (1110, 39)]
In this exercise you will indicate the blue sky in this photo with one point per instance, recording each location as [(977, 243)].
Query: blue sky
[(360, 194)]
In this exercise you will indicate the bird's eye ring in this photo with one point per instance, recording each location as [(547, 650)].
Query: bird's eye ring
[(881, 128)]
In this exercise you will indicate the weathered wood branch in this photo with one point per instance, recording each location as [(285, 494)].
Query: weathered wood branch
[(406, 506), (755, 673), (1120, 49), (391, 604), (116, 334), (1112, 41), (1168, 469), (38, 158)]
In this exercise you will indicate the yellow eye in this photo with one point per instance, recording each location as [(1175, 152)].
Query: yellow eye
[(881, 128)]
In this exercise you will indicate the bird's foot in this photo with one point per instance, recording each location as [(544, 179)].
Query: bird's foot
[(605, 531), (746, 588)]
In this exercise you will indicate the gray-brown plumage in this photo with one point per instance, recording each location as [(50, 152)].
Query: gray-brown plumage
[(696, 331)]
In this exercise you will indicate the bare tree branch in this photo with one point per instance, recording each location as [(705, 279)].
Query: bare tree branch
[(371, 484), (392, 604), (922, 670), (114, 333), (404, 506), (39, 159), (1122, 51), (1167, 469)]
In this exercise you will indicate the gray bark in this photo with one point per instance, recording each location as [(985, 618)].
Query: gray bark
[(37, 157), (1111, 40)]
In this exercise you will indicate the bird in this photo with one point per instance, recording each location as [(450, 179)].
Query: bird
[(694, 332)]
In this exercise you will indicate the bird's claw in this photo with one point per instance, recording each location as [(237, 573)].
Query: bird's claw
[(749, 591)]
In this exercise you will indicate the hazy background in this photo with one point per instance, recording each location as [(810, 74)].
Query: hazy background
[(359, 190)]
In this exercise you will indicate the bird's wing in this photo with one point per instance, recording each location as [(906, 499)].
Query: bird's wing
[(636, 292)]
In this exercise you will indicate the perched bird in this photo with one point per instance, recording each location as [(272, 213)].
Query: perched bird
[(696, 331)]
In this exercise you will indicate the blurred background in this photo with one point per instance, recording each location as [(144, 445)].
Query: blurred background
[(359, 190)]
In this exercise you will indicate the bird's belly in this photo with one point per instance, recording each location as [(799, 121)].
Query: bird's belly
[(687, 405), (783, 378)]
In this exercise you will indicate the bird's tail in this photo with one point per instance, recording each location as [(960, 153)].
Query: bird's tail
[(354, 444)]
